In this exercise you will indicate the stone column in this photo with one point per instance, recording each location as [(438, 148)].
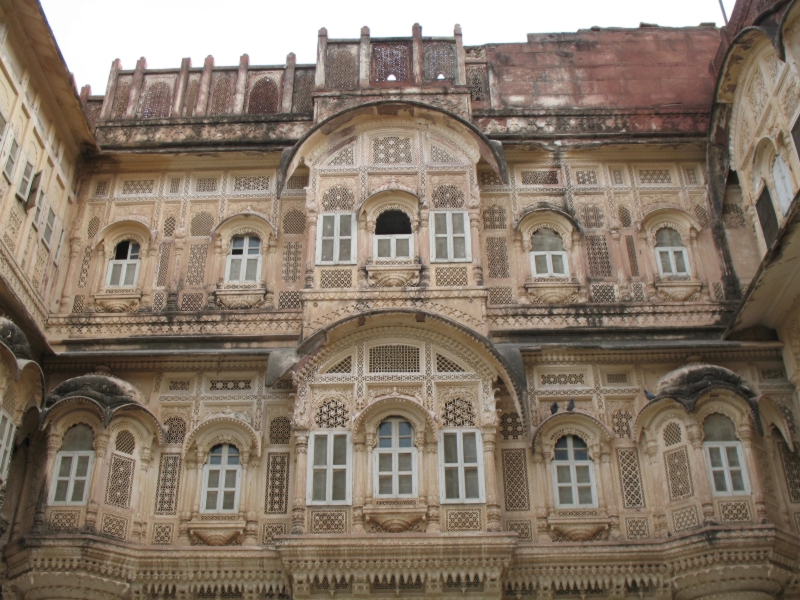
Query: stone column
[(475, 242), (299, 503), (646, 266), (74, 263), (145, 282), (700, 272), (288, 84), (180, 87), (322, 52), (364, 58), (416, 54), (360, 487), (431, 462), (655, 480), (423, 242), (522, 248), (270, 270), (490, 477), (611, 497), (42, 492), (111, 90), (205, 86), (745, 434), (543, 460), (136, 88), (700, 473), (311, 226)]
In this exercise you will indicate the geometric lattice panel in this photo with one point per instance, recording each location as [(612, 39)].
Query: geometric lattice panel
[(497, 255), (169, 472), (734, 511), (63, 521), (458, 413), (679, 474), (327, 521), (162, 534), (270, 530), (791, 469), (120, 481), (630, 478), (464, 520), (114, 527), (637, 528), (276, 497), (523, 529), (685, 519), (515, 480), (511, 426)]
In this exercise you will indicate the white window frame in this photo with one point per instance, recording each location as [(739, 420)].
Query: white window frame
[(394, 450), (671, 251), (223, 467), (244, 257), (50, 227), (726, 469), (549, 255), (449, 235), (11, 159), (75, 455), (137, 263), (25, 181), (328, 436), (59, 246), (337, 238), (572, 463), (462, 499), (393, 243), (7, 430)]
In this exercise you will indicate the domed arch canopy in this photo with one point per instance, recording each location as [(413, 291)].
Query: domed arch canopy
[(687, 384), (14, 339), (127, 229), (109, 394), (258, 222), (491, 151)]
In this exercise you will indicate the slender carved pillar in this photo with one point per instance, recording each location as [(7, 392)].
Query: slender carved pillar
[(475, 233), (699, 473), (432, 486), (72, 266), (360, 485), (299, 503), (490, 476), (745, 434)]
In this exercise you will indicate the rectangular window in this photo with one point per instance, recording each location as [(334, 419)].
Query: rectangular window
[(25, 182), (329, 468), (11, 161), (60, 246), (71, 477), (33, 194), (726, 468), (672, 261), (124, 272), (49, 227), (6, 442), (461, 466), (450, 236), (244, 260), (549, 264), (393, 246), (767, 217), (336, 239), (221, 480), (37, 215)]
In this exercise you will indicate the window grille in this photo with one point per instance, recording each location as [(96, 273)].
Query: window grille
[(169, 226), (523, 529), (394, 358), (630, 245), (630, 478), (621, 422), (123, 270), (685, 519), (655, 176), (163, 264), (77, 303), (588, 177), (478, 83), (489, 179), (501, 295), (268, 533), (196, 271), (494, 217), (463, 520), (137, 187), (390, 62), (332, 414), (592, 216), (230, 385), (725, 457), (791, 469), (338, 198), (573, 474), (562, 379), (625, 216), (294, 222), (125, 442), (114, 527), (515, 480), (670, 253), (264, 97), (343, 366), (679, 474), (205, 185), (289, 300), (157, 101), (176, 430), (672, 434), (342, 69), (169, 472), (638, 292), (221, 98), (617, 378), (448, 196), (450, 240), (734, 512), (101, 190), (175, 185), (511, 427), (439, 62), (539, 177), (445, 365), (719, 291), (121, 98), (343, 158), (616, 175), (337, 278), (597, 250), (280, 430), (302, 101), (458, 413), (84, 274), (120, 481), (391, 150), (691, 176), (291, 269), (395, 459), (191, 302), (637, 528), (547, 256), (243, 264), (64, 521), (497, 255), (251, 183), (276, 496), (162, 534), (297, 182), (328, 521), (604, 292)]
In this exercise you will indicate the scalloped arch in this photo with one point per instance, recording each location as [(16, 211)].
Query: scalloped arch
[(221, 429), (368, 419), (588, 427)]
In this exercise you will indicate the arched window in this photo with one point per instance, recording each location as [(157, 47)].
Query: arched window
[(670, 253), (726, 466), (393, 237), (461, 466), (73, 468), (548, 258), (395, 470), (244, 260), (573, 474), (123, 270), (222, 476)]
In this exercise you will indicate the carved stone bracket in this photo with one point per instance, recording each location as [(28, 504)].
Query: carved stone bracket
[(557, 291), (118, 301), (679, 290), (407, 275)]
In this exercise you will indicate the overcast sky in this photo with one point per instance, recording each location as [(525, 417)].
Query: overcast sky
[(92, 33)]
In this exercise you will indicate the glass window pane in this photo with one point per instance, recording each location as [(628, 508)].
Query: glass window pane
[(562, 454), (440, 223), (236, 268), (581, 455), (344, 249), (320, 450), (339, 450), (385, 429), (77, 490), (450, 448), (385, 463), (339, 485), (737, 481), (404, 428), (116, 274), (565, 495), (230, 478), (233, 455), (540, 264), (451, 482), (82, 467), (471, 487), (441, 248), (733, 456), (584, 494), (404, 484), (716, 457), (680, 262), (563, 474), (251, 269), (345, 225), (215, 458), (211, 500), (385, 442), (385, 484), (666, 267), (405, 442), (65, 468), (558, 264), (227, 500), (470, 448), (213, 478), (458, 223), (238, 244), (61, 490), (402, 248), (134, 247), (328, 226), (326, 252), (582, 474), (130, 274), (384, 248), (578, 442), (404, 461), (719, 481), (253, 244), (459, 247), (318, 485)]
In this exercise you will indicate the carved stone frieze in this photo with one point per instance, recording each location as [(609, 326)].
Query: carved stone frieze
[(554, 291), (394, 276), (678, 290), (118, 301)]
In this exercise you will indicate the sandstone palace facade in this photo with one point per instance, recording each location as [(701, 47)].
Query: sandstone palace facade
[(419, 320)]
